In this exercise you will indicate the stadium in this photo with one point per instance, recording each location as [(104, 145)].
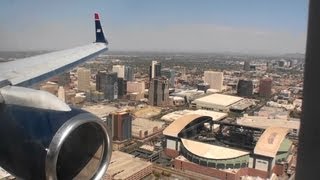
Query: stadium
[(222, 145)]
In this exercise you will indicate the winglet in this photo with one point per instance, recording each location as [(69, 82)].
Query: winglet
[(99, 32)]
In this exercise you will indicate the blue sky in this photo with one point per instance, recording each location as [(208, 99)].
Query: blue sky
[(250, 26)]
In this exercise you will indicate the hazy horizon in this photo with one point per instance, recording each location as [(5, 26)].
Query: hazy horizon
[(246, 27)]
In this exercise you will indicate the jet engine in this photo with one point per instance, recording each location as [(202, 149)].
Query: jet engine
[(48, 144)]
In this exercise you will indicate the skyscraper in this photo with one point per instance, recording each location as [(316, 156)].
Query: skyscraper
[(246, 66), (184, 73), (159, 92), (122, 87), (108, 84), (128, 73), (155, 70), (111, 91), (99, 79), (119, 69), (214, 79), (245, 88), (282, 63), (83, 79), (265, 87), (170, 75), (120, 124)]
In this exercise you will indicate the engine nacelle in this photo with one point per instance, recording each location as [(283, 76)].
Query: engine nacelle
[(46, 144)]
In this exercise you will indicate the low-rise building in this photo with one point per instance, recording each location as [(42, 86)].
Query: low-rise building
[(125, 166), (265, 122), (273, 112), (176, 101), (143, 128), (100, 110), (216, 102), (136, 87)]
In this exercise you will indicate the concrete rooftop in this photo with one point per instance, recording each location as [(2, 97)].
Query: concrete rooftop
[(219, 99)]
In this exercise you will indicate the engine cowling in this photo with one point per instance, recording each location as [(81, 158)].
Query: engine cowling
[(47, 144)]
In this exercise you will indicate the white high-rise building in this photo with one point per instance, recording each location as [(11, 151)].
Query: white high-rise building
[(155, 70), (214, 79), (153, 63), (119, 69), (83, 79)]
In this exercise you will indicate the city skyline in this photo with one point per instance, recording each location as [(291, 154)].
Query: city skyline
[(208, 26), (185, 116)]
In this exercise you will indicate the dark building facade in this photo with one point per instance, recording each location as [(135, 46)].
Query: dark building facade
[(99, 80), (252, 67), (170, 75), (265, 87), (203, 87), (111, 90), (157, 70), (281, 63), (128, 73), (246, 66), (108, 84), (120, 124), (159, 92), (245, 88), (122, 87)]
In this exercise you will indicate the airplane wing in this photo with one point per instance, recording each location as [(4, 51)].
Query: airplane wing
[(42, 137), (33, 70)]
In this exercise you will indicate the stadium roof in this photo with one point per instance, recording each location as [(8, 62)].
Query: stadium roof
[(176, 126), (216, 116), (265, 122), (219, 99), (211, 151), (270, 141)]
